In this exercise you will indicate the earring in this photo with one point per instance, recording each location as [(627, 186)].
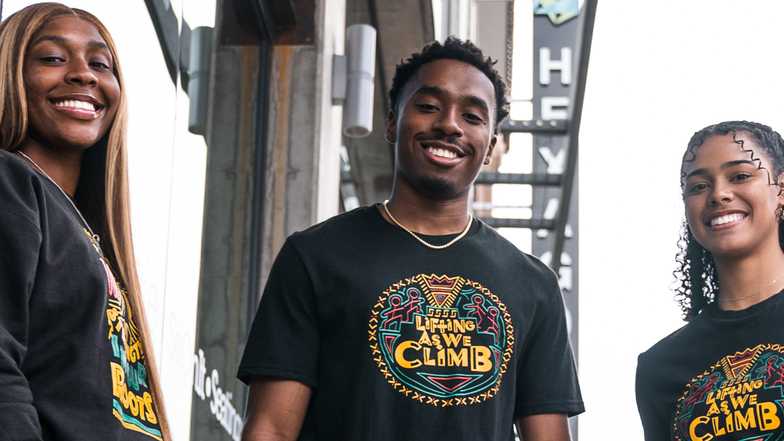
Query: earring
[(487, 161), (780, 213)]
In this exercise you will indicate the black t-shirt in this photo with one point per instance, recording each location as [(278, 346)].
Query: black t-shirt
[(720, 377), (403, 342), (71, 363)]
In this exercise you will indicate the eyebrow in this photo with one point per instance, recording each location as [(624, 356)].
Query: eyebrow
[(438, 91), (728, 164), (93, 44)]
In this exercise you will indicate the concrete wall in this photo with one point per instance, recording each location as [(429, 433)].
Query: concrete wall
[(272, 169), (304, 135)]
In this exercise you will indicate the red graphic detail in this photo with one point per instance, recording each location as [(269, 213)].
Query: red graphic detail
[(450, 384), (111, 284), (395, 314), (412, 305), (477, 309), (699, 394), (738, 362), (388, 340), (442, 283), (774, 372), (493, 325)]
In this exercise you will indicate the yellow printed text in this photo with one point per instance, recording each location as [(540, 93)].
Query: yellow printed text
[(139, 406)]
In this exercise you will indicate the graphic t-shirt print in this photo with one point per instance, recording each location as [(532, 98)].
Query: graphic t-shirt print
[(441, 340), (132, 402), (739, 398)]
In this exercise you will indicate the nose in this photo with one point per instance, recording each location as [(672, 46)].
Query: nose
[(79, 73), (720, 195), (448, 122)]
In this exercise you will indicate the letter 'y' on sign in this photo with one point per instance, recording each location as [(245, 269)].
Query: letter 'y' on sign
[(555, 162)]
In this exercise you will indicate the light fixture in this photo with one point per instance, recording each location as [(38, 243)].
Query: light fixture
[(199, 78), (353, 80)]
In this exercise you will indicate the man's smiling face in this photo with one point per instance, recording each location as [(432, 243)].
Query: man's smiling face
[(443, 127)]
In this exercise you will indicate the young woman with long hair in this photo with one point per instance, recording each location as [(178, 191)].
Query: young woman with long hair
[(721, 376), (76, 362)]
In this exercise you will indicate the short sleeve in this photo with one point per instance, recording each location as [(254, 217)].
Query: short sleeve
[(283, 341), (654, 423), (547, 377), (20, 242)]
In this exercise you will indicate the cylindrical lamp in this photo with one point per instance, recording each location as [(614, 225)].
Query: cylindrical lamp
[(361, 54), (198, 78)]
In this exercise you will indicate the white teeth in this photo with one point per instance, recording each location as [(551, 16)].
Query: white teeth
[(76, 104), (444, 153), (727, 218)]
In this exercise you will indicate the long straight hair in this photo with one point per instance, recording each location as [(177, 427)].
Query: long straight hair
[(102, 191)]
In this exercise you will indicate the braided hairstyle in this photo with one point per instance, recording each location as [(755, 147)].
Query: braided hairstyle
[(453, 49), (696, 278)]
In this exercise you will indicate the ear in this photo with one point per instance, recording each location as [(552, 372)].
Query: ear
[(780, 185), (390, 135), (491, 147)]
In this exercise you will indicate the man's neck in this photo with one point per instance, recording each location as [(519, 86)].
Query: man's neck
[(428, 216), (62, 165)]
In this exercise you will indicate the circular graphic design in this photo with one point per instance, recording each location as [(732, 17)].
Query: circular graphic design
[(738, 398), (441, 340)]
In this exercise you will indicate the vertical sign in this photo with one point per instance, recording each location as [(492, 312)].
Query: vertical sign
[(555, 38)]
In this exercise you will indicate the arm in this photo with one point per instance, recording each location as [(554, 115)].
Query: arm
[(276, 410), (544, 427), (654, 426), (19, 244), (280, 360), (547, 385)]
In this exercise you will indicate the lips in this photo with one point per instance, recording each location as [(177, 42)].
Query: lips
[(76, 104), (724, 220), (442, 153), (79, 106)]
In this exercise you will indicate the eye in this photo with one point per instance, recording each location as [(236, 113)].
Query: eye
[(473, 118), (740, 177), (100, 65), (52, 59), (427, 107), (696, 188)]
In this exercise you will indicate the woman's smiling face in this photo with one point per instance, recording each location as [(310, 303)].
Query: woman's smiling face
[(72, 91), (731, 196)]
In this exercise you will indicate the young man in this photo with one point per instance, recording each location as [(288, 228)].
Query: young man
[(410, 320)]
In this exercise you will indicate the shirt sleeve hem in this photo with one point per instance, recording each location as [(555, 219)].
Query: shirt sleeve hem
[(570, 408), (247, 374)]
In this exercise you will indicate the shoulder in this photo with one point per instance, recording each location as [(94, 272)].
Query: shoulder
[(13, 168), (528, 266), (338, 227), (669, 346), (20, 188)]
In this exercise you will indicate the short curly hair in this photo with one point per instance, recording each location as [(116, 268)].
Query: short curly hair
[(453, 49)]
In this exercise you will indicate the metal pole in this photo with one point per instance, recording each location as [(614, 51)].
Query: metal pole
[(584, 36)]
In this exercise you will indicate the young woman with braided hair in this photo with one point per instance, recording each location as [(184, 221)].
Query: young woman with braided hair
[(721, 376)]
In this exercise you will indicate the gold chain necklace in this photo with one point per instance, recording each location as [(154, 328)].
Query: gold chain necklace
[(422, 241), (94, 238)]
